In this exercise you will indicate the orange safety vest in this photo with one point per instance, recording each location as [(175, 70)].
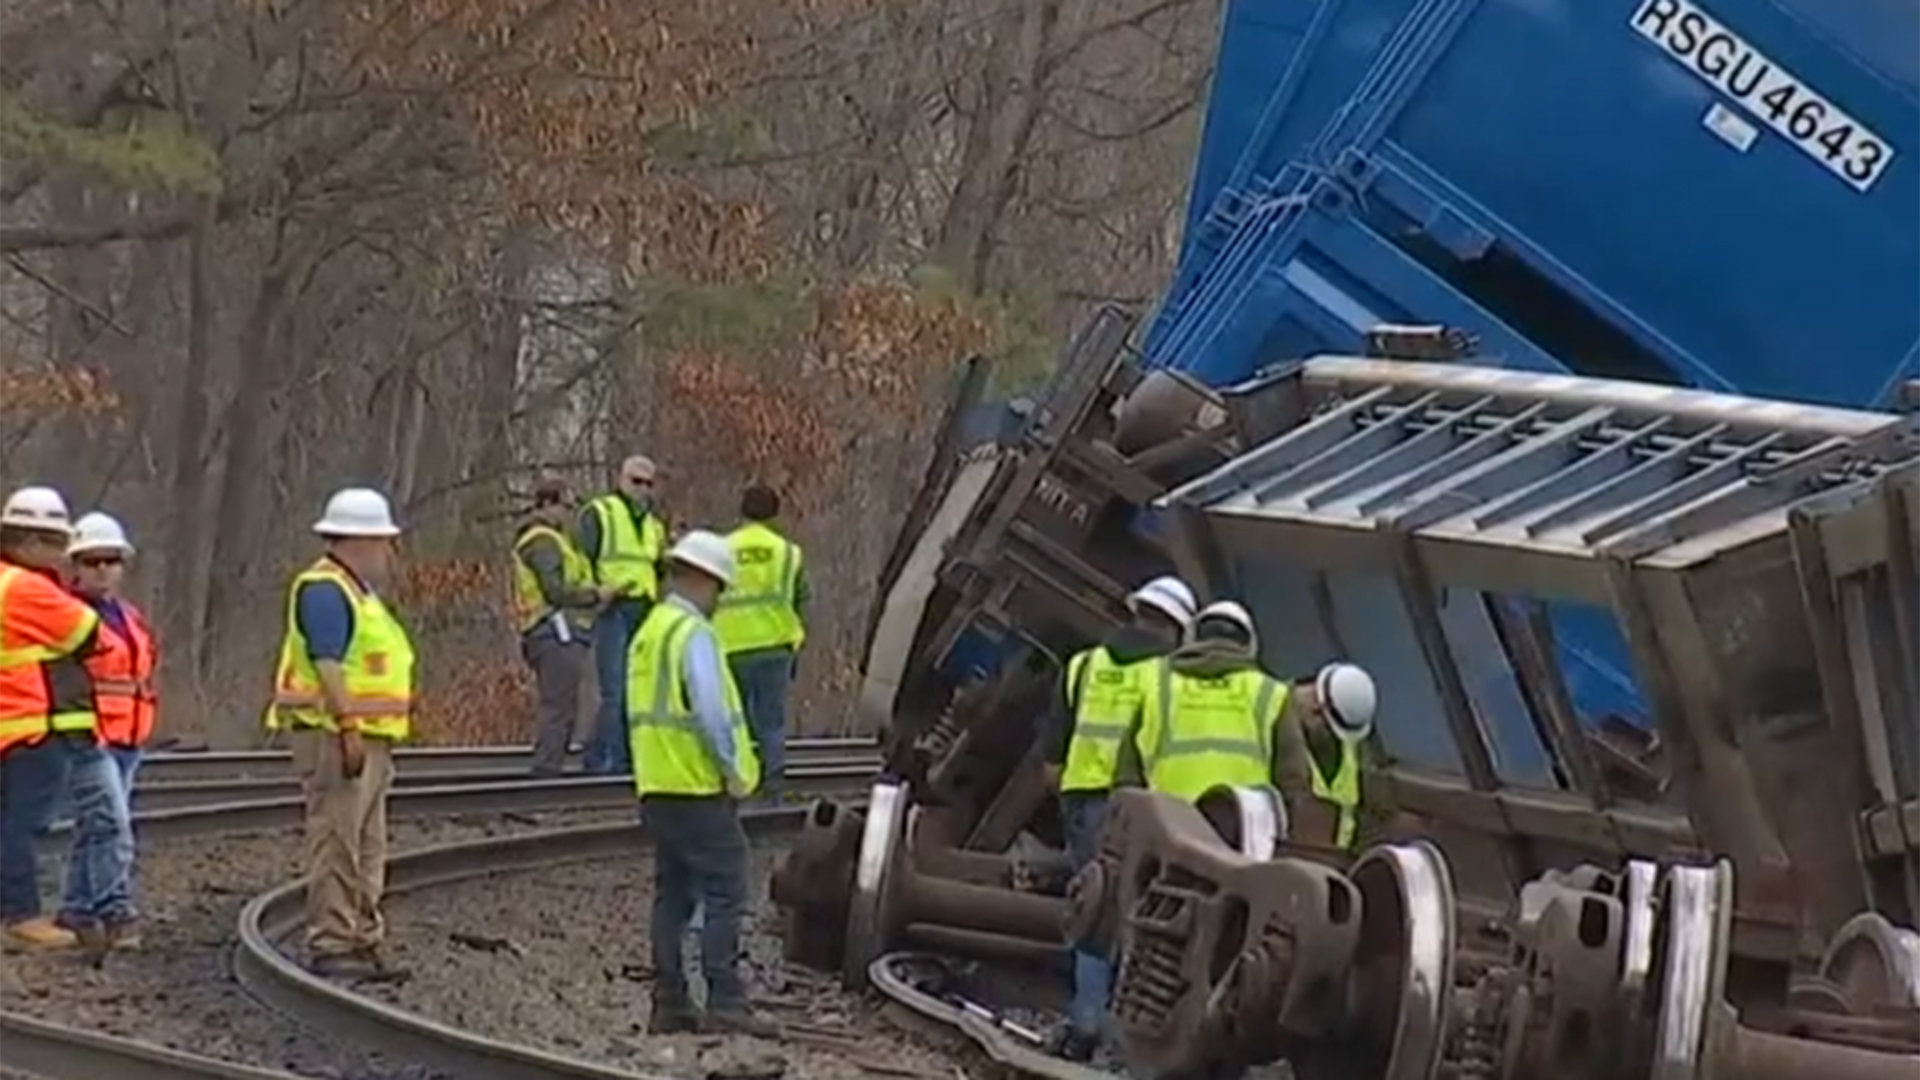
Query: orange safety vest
[(123, 691), (41, 623)]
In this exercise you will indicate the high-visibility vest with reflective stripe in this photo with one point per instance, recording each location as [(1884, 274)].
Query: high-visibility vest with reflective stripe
[(758, 611), (1104, 698), (1341, 791), (529, 603), (122, 670), (669, 756), (378, 665), (40, 623), (1199, 731), (629, 554)]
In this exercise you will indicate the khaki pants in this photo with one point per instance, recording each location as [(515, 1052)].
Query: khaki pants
[(346, 842)]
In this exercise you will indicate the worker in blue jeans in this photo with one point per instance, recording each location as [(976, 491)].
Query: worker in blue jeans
[(49, 749), (761, 622), (1093, 723), (622, 535)]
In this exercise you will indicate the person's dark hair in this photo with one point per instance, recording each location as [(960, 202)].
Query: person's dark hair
[(759, 503)]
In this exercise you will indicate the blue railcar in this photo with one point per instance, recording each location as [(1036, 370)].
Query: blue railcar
[(1722, 194)]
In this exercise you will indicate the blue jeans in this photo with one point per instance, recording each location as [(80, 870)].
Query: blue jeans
[(764, 677), (1082, 813), (100, 887), (608, 753), (699, 861), (33, 781)]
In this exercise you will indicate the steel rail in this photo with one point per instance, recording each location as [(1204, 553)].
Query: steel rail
[(441, 800), (179, 765), (287, 987), (59, 1052), (179, 794), (885, 974)]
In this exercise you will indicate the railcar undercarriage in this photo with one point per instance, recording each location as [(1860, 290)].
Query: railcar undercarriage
[(1724, 888)]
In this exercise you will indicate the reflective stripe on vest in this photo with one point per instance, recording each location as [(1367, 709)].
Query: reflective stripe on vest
[(122, 672), (1103, 696), (1202, 731), (669, 756), (378, 666), (629, 555), (758, 610), (1342, 792), (529, 603), (40, 623)]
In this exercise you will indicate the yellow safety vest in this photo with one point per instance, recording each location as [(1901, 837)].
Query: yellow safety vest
[(628, 555), (1197, 732), (378, 665), (1342, 792), (529, 603), (669, 757), (1104, 696), (758, 611)]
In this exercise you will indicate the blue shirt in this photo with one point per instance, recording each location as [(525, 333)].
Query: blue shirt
[(706, 692), (325, 617)]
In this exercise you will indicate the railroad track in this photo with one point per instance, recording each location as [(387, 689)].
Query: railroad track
[(58, 1052), (175, 766), (168, 785), (274, 979)]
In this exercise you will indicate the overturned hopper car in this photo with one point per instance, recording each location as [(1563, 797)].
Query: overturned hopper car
[(1730, 885)]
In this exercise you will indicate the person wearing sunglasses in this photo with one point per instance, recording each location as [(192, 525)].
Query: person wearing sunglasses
[(122, 667), (623, 537)]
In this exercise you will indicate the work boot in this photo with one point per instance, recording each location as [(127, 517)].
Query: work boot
[(671, 1016), (384, 969), (36, 935), (1074, 1044), (739, 1020), (124, 933)]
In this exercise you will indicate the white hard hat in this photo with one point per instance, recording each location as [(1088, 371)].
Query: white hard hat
[(38, 508), (357, 512), (1229, 611), (1347, 693), (98, 532), (1168, 595), (707, 552)]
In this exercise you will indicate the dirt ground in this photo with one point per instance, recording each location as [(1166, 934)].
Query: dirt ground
[(177, 990), (567, 970)]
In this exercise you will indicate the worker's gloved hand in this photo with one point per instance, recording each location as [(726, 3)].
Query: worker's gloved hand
[(353, 755), (737, 787)]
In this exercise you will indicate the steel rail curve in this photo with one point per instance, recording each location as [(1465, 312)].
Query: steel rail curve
[(287, 987), (188, 765), (174, 795), (58, 1052)]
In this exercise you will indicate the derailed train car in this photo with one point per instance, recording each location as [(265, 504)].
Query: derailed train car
[(1722, 891)]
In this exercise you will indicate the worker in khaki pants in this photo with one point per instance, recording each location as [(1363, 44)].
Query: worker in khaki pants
[(344, 692)]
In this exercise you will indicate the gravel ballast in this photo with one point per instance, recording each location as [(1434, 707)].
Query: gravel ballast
[(560, 959), (177, 990)]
